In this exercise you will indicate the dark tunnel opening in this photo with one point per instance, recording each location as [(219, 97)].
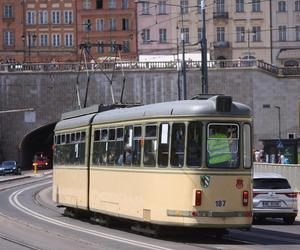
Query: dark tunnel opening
[(38, 140)]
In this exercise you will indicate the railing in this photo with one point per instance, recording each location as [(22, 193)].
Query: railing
[(128, 65)]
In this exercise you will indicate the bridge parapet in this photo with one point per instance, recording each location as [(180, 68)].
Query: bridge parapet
[(290, 171)]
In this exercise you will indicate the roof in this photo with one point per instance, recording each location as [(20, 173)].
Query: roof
[(289, 54), (175, 108), (267, 175), (195, 108)]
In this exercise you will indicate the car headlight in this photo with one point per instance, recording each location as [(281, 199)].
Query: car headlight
[(14, 168), (1, 169)]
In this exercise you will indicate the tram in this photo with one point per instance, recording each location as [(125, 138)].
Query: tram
[(177, 164)]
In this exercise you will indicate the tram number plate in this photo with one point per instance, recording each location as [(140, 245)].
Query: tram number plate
[(220, 203)]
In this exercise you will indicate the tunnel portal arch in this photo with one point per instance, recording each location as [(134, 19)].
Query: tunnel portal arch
[(38, 140)]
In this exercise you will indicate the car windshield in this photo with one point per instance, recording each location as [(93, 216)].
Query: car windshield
[(268, 183), (8, 163)]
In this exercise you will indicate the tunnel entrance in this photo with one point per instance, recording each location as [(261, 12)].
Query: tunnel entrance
[(38, 140)]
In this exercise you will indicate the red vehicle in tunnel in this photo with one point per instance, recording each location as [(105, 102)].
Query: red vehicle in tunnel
[(41, 160)]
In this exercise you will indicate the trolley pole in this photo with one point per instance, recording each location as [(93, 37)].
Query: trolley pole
[(204, 74)]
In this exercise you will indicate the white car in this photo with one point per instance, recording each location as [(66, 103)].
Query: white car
[(273, 197)]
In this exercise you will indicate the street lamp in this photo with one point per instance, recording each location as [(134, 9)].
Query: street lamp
[(31, 37), (279, 122)]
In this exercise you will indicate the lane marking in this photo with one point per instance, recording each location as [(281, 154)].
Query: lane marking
[(14, 201)]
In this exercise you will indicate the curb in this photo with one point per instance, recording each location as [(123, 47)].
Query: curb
[(14, 178)]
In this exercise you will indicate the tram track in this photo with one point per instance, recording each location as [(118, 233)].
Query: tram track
[(19, 243)]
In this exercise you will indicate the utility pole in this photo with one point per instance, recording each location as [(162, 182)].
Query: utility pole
[(183, 37), (204, 74)]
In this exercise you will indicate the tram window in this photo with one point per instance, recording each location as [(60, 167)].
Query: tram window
[(83, 136), (58, 139), (63, 139), (111, 148), (119, 146), (72, 137), (136, 146), (194, 144), (126, 157), (223, 145), (77, 136), (163, 147), (247, 146), (67, 138), (97, 135), (177, 144), (150, 146), (120, 133), (103, 135)]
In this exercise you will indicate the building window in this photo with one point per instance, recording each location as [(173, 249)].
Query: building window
[(220, 34), (99, 25), (184, 6), (162, 35), (255, 5), (99, 4), (200, 34), (145, 8), (220, 6), (256, 34), (30, 17), (87, 25), (297, 33), (56, 17), (282, 33), (56, 40), (69, 41), (297, 5), (112, 24), (43, 17), (113, 47), (239, 6), (100, 47), (125, 4), (146, 35), (126, 46), (44, 40), (112, 4), (8, 11), (185, 34), (125, 24), (240, 34), (86, 4), (31, 40), (68, 14), (282, 6), (162, 7), (8, 38)]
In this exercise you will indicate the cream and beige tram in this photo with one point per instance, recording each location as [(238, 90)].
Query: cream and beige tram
[(182, 163)]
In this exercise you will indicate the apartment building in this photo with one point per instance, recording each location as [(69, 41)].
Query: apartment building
[(285, 33), (49, 30), (234, 28), (11, 30), (105, 24)]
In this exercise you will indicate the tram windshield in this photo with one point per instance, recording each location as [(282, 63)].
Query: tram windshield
[(223, 145)]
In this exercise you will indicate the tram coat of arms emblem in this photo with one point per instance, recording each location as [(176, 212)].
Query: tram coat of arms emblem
[(205, 181)]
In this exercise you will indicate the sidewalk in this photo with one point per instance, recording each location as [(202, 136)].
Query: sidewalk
[(25, 174)]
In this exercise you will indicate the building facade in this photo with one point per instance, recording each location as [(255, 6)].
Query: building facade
[(11, 30), (234, 28), (106, 23)]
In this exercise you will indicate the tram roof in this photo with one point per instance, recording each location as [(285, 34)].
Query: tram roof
[(75, 122), (175, 108)]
